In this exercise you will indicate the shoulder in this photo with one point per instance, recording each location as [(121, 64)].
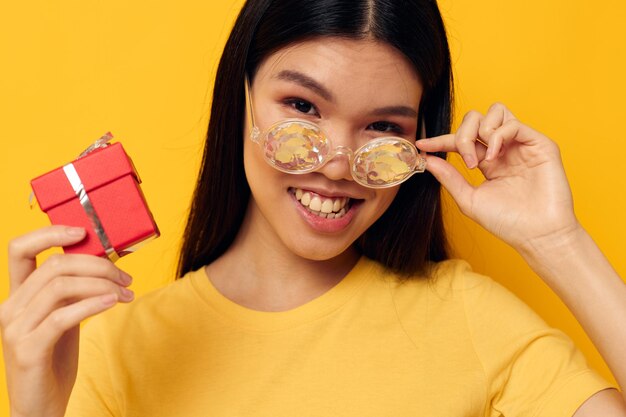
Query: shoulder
[(452, 295), (447, 280), (438, 302)]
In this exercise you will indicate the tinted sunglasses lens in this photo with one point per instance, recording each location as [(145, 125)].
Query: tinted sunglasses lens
[(384, 162), (295, 146)]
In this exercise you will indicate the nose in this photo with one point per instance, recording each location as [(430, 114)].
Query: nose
[(338, 167)]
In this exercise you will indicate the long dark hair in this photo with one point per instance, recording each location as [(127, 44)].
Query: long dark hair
[(410, 233)]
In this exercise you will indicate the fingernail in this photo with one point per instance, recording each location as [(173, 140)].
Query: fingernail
[(469, 160), (127, 294), (108, 299), (75, 231), (126, 279)]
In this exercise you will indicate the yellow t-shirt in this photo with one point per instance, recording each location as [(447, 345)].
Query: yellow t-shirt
[(456, 345)]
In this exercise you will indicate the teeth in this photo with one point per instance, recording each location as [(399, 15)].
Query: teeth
[(330, 208), (328, 215), (327, 206), (316, 204)]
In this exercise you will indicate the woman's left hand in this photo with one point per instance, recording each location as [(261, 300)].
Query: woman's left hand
[(526, 199)]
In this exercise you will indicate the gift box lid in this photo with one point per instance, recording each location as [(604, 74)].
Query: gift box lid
[(96, 169)]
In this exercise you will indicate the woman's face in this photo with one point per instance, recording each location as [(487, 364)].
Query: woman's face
[(355, 90)]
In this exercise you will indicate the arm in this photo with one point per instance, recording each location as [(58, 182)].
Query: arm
[(577, 271), (526, 201)]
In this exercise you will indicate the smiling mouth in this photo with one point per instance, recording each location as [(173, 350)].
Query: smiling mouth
[(325, 207)]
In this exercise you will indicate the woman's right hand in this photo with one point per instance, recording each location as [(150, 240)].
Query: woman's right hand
[(40, 319)]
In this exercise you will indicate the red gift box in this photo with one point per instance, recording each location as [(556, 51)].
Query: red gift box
[(100, 192)]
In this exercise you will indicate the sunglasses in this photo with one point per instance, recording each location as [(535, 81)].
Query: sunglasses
[(296, 146)]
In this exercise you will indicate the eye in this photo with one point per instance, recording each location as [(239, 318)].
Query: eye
[(302, 106), (386, 127)]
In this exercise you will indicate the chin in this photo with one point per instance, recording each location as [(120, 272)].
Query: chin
[(319, 249)]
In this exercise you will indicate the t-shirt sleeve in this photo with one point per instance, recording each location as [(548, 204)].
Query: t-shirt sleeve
[(532, 369), (93, 393)]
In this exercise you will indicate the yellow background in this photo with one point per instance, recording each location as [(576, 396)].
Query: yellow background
[(72, 70)]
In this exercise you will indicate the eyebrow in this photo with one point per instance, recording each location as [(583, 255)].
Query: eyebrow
[(308, 82), (403, 111)]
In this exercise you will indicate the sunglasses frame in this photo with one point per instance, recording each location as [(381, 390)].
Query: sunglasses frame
[(260, 138)]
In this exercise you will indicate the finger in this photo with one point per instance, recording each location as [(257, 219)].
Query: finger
[(466, 138), (496, 116), (458, 187), (443, 143), (514, 130), (446, 143), (48, 333), (65, 265), (24, 249), (66, 290)]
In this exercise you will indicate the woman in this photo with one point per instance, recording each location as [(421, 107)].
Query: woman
[(284, 310)]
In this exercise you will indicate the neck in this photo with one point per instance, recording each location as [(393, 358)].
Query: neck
[(259, 272)]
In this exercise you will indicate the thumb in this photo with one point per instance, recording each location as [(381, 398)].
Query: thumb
[(452, 180)]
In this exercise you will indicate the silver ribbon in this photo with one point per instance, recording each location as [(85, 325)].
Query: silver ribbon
[(83, 198), (81, 193), (103, 142)]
